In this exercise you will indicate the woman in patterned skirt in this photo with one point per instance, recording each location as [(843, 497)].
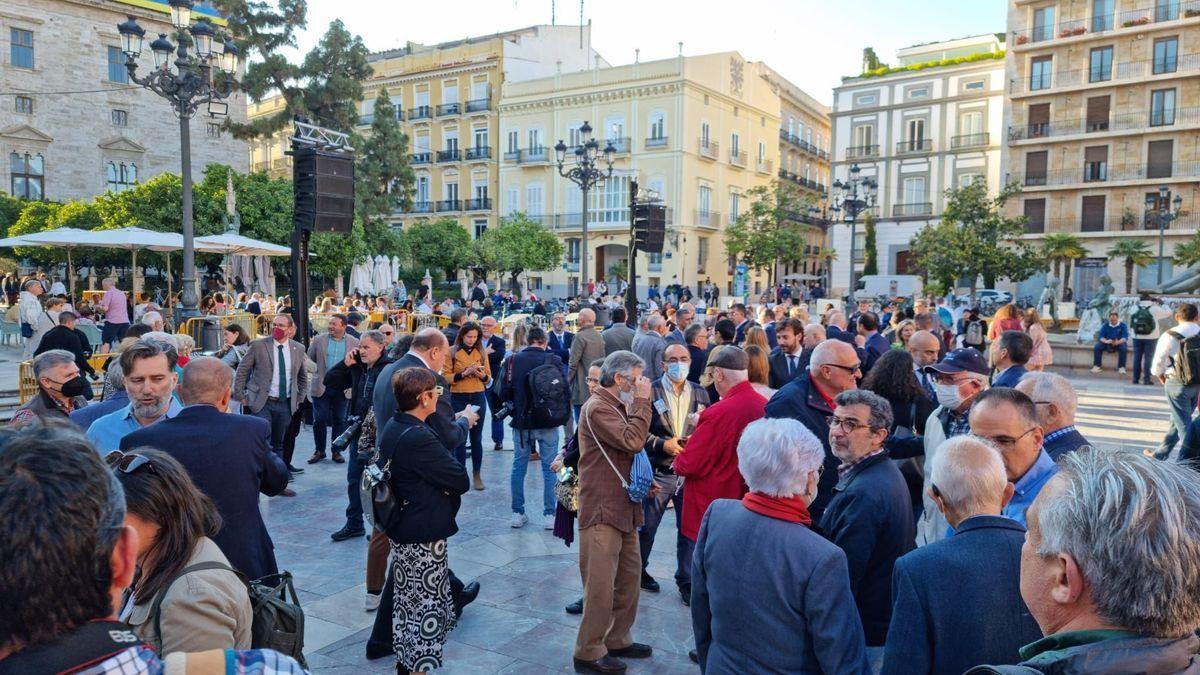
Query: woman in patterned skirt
[(429, 483)]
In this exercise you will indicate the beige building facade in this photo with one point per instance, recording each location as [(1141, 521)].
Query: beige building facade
[(112, 136)]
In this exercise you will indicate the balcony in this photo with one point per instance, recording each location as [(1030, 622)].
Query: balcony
[(764, 165), (421, 207), (1122, 71), (531, 155), (479, 204), (447, 109), (512, 156), (911, 210), (1140, 121), (450, 155), (914, 147), (970, 141), (422, 158), (803, 145), (708, 148), (479, 105), (449, 205), (479, 153), (710, 219), (737, 158), (656, 142), (621, 145), (1100, 172), (1106, 23), (366, 120), (421, 112), (862, 151), (1113, 222)]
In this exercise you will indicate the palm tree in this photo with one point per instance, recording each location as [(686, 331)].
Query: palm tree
[(1136, 254), (1061, 248)]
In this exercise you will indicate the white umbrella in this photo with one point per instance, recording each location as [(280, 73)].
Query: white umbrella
[(64, 237), (236, 244), (134, 238), (382, 274), (395, 267)]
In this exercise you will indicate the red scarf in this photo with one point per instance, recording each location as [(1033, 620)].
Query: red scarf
[(790, 509)]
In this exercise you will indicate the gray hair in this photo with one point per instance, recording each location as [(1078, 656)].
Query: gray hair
[(51, 358), (969, 475), (375, 336), (149, 318), (881, 410), (654, 321), (1051, 388), (775, 456), (621, 363), (1132, 524), (692, 332)]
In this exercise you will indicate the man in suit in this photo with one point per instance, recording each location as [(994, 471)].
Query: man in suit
[(64, 336), (1056, 403), (814, 334), (271, 379), (696, 337), (873, 344), (1013, 350), (836, 328), (741, 321), (229, 458), (938, 627), (771, 320), (494, 345), (784, 360), (924, 348), (684, 316), (650, 343), (674, 400), (587, 347), (618, 336), (329, 406), (559, 339), (457, 318)]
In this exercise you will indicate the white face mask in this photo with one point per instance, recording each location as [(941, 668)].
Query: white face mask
[(626, 396), (948, 396)]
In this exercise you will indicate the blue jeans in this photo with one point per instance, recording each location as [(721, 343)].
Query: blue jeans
[(670, 490), (354, 470), (329, 413), (1143, 355), (1098, 353), (525, 441), (494, 404), (1183, 404), (475, 435)]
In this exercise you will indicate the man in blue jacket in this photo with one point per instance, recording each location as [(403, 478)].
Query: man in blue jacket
[(1012, 353), (873, 344), (1113, 337), (940, 627)]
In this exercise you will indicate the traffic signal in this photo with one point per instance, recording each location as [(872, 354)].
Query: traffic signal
[(323, 183), (649, 227)]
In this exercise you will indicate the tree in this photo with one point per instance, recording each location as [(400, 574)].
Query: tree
[(519, 244), (383, 179), (37, 217), (440, 244), (770, 233), (870, 248), (1061, 248), (10, 210), (1136, 254)]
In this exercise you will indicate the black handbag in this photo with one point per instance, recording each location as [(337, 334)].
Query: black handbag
[(381, 507)]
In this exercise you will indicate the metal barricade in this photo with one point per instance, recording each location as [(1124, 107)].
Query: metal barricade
[(27, 386)]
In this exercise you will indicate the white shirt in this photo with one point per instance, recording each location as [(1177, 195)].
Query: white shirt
[(287, 365), (1168, 348), (57, 288)]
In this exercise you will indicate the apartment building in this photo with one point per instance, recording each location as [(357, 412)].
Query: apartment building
[(83, 128), (932, 122), (1103, 110)]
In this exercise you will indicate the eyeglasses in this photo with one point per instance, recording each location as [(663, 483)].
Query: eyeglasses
[(848, 426), (593, 380), (1006, 443), (850, 369), (127, 463)]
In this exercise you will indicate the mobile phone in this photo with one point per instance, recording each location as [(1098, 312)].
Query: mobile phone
[(472, 407)]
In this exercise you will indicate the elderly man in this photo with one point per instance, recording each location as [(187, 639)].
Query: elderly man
[(115, 306), (148, 368), (271, 380), (29, 312), (613, 426), (684, 317), (617, 336), (154, 320), (946, 628), (650, 344), (809, 399), (587, 347), (1109, 568), (1008, 419), (836, 327), (1056, 402), (814, 334), (329, 404), (675, 402), (785, 358), (924, 348), (1012, 352), (696, 338), (870, 516), (60, 389)]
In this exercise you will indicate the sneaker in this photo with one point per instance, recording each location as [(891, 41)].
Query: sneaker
[(372, 602), (1121, 371), (1095, 369), (548, 523), (518, 520)]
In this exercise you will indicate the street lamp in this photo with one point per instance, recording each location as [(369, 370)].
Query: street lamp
[(856, 195), (587, 175), (823, 215), (1159, 208), (204, 77)]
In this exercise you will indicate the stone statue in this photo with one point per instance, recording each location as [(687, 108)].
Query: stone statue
[(1050, 297), (1096, 312), (230, 219)]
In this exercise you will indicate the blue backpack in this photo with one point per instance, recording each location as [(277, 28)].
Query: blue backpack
[(641, 474)]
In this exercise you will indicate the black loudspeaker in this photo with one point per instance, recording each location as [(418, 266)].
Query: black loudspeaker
[(649, 227), (324, 190)]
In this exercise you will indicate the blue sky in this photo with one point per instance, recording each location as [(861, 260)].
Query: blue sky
[(812, 43)]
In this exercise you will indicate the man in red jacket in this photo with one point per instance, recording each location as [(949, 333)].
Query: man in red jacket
[(709, 461)]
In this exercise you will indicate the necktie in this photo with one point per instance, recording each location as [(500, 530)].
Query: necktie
[(283, 383), (791, 364), (927, 385)]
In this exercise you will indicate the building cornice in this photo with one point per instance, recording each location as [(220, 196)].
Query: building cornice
[(579, 98), (432, 74), (924, 74)]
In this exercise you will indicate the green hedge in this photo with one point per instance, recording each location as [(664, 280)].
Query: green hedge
[(888, 70)]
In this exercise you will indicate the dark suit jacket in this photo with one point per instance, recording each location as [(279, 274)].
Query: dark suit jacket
[(769, 329), (941, 626), (662, 426), (800, 401), (779, 374), (229, 458), (699, 361), (1010, 377), (431, 481), (675, 337), (561, 347), (66, 339), (617, 337), (1069, 442), (739, 335), (452, 432), (875, 347), (835, 333)]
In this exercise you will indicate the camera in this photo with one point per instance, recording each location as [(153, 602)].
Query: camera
[(353, 427), (503, 412)]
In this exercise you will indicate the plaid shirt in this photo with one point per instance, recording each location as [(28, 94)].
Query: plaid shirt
[(957, 425), (141, 660), (1058, 433)]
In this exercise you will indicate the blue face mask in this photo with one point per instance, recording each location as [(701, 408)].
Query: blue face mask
[(677, 371)]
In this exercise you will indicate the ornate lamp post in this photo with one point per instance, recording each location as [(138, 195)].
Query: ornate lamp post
[(587, 174), (1159, 209), (203, 76), (856, 195), (822, 214)]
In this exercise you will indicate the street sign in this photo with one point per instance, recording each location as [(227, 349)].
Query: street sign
[(739, 281)]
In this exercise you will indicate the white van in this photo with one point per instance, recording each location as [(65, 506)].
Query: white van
[(888, 285)]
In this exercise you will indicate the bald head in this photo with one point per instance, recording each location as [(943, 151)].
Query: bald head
[(814, 334), (970, 478), (675, 351), (833, 351), (206, 380), (838, 319), (835, 367), (586, 318), (924, 346), (428, 338)]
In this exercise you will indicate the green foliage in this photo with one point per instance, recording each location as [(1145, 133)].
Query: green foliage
[(519, 244), (939, 63), (440, 244), (383, 178), (870, 248), (619, 269), (1136, 254), (334, 252), (1188, 253), (770, 233), (10, 210), (1060, 248), (37, 217)]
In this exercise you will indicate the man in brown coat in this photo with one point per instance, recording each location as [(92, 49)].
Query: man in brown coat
[(587, 347), (613, 427)]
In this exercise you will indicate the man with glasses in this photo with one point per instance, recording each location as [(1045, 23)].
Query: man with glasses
[(870, 516), (1056, 402), (1008, 419)]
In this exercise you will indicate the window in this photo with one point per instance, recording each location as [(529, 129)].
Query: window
[(735, 144), (21, 47), (1097, 113), (1035, 167), (120, 176), (967, 179), (704, 134), (450, 188), (513, 200), (480, 228), (916, 134), (534, 195), (1166, 55), (24, 105), (1095, 163), (970, 123), (116, 66), (535, 140), (120, 118), (1040, 72), (1101, 65), (450, 91), (735, 204), (421, 98), (615, 128), (704, 200), (1160, 154), (864, 135), (573, 250), (702, 253), (762, 152), (422, 190), (657, 126), (480, 189), (1035, 212), (1043, 23), (450, 138), (1166, 10), (1092, 214), (914, 190), (481, 137), (28, 176), (974, 85), (514, 141), (479, 89), (1039, 120), (1162, 107), (918, 92), (1102, 15), (214, 129), (791, 128), (863, 100)]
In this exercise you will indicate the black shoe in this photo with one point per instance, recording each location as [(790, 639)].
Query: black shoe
[(603, 665), (337, 457), (379, 650), (575, 607), (348, 532), (692, 654), (498, 447), (685, 594), (648, 583), (635, 650), (291, 477), (316, 457), (467, 596), (294, 469)]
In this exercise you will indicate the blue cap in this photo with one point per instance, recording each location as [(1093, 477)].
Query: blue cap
[(967, 359)]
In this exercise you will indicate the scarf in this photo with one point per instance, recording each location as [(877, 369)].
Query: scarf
[(791, 509)]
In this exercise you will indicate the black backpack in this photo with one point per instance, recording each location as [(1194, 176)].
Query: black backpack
[(1142, 322), (1187, 361), (549, 402)]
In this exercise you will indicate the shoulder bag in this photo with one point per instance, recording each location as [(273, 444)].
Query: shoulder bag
[(381, 507), (641, 474)]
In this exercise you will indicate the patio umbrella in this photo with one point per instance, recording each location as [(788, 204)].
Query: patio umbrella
[(63, 237), (236, 244), (382, 274), (395, 267), (133, 239)]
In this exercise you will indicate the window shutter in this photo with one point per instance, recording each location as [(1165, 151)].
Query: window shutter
[(1159, 164), (1092, 219), (1097, 113), (1035, 211), (1095, 153), (1035, 167)]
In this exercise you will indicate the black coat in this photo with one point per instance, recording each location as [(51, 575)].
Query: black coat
[(660, 427), (229, 458), (67, 339), (427, 479), (513, 387), (800, 401), (699, 361), (359, 379), (779, 374), (450, 430)]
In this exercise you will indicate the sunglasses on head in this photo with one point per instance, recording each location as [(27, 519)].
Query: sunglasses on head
[(127, 462)]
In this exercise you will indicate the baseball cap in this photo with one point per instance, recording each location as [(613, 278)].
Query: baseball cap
[(967, 359)]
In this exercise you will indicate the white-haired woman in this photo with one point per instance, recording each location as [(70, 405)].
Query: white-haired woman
[(761, 578)]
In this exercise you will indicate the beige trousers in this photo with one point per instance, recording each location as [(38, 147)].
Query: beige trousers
[(610, 563)]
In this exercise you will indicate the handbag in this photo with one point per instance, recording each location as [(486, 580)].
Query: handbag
[(641, 474), (566, 490), (381, 507), (26, 330)]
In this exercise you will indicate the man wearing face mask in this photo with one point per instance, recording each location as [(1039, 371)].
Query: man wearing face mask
[(675, 401), (149, 368), (271, 380), (60, 389), (958, 380)]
